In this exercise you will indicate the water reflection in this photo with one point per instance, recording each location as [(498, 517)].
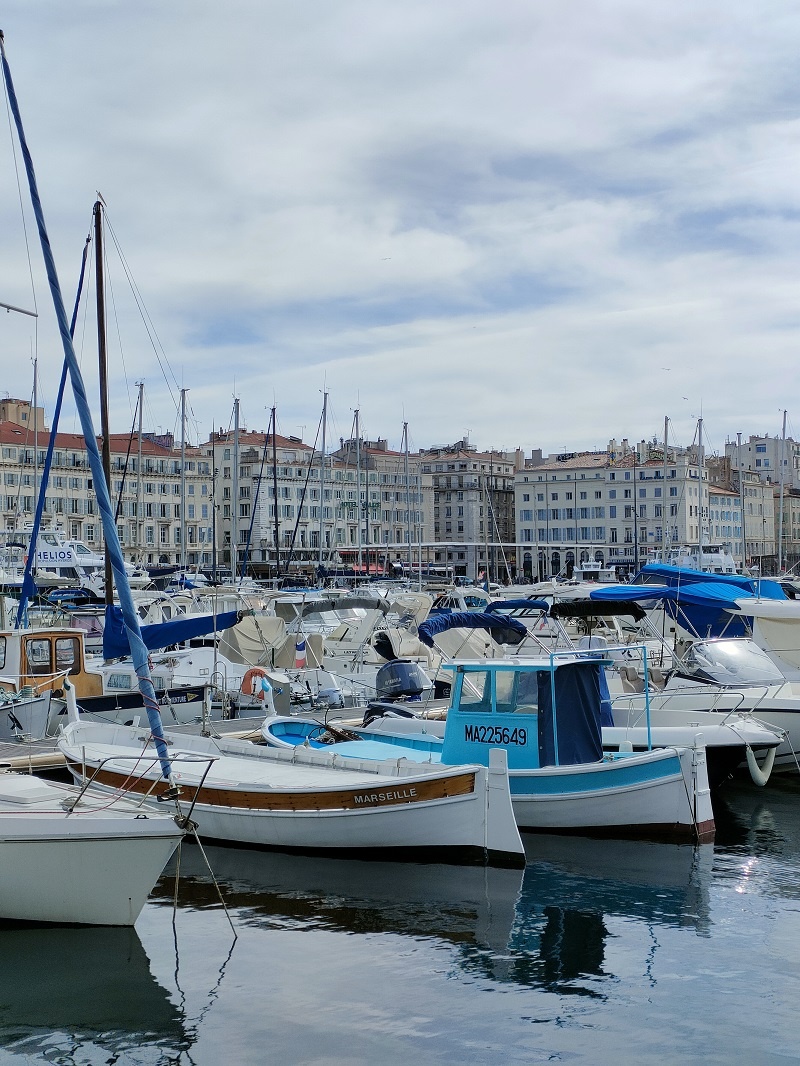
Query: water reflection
[(758, 837), (73, 990), (545, 927), (307, 893)]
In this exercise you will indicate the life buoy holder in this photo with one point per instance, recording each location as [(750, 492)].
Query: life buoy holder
[(250, 682), (760, 774)]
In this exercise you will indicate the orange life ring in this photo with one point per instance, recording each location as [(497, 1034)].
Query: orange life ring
[(250, 685)]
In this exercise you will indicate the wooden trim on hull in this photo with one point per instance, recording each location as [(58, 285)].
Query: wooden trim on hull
[(355, 799)]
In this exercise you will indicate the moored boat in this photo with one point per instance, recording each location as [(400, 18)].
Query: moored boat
[(322, 802), (546, 713), (71, 856)]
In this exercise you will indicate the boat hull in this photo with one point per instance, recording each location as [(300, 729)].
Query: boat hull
[(182, 704), (312, 801), (25, 719), (663, 795), (94, 866)]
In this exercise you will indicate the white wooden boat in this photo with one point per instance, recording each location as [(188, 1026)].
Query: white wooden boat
[(73, 857), (301, 800)]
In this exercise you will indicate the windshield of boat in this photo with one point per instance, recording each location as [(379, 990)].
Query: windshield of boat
[(730, 662)]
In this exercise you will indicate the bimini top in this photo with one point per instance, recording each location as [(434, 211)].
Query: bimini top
[(707, 609), (513, 631)]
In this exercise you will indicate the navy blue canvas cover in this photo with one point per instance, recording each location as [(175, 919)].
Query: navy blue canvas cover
[(576, 714)]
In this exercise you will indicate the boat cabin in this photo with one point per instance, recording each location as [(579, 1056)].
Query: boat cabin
[(544, 712), (42, 658)]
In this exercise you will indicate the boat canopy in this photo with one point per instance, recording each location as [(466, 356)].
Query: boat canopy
[(593, 608), (517, 605), (684, 575), (503, 628), (707, 609)]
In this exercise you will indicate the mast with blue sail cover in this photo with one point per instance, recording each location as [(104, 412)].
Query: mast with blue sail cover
[(131, 619)]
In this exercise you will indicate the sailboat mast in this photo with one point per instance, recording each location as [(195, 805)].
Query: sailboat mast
[(35, 432), (358, 489), (103, 364), (139, 486), (183, 479), (275, 497), (235, 492), (780, 515), (700, 467), (113, 547), (741, 498), (665, 505), (322, 484), (408, 494)]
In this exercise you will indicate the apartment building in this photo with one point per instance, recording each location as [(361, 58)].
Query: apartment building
[(612, 506), (366, 507), (473, 510), (766, 456), (162, 494)]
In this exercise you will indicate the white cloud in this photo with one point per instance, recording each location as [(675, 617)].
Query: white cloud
[(506, 219)]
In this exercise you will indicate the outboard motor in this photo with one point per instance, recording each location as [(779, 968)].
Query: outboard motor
[(396, 682), (401, 677)]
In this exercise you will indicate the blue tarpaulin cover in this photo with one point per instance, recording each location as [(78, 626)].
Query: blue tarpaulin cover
[(115, 637), (705, 608), (685, 575)]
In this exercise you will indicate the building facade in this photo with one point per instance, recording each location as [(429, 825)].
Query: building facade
[(162, 494), (616, 506), (473, 511)]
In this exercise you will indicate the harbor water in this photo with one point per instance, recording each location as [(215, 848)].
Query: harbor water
[(598, 952)]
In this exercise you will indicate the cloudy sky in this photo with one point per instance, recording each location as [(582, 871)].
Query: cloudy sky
[(541, 225)]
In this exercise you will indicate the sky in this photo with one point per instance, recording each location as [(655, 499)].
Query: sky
[(534, 225)]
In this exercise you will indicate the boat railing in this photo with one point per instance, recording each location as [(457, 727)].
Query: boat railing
[(143, 797), (662, 697), (34, 685)]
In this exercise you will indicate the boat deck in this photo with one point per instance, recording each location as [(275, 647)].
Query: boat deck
[(38, 755)]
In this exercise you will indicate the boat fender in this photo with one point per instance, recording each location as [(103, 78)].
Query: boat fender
[(251, 682), (760, 774)]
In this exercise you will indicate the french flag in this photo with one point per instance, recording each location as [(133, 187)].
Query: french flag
[(300, 654)]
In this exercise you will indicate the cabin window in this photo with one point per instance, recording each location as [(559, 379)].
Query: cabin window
[(475, 692), (68, 654), (2, 653), (527, 697), (119, 681), (504, 691), (37, 652), (159, 682)]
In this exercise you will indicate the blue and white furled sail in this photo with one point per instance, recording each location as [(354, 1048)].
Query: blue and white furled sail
[(137, 646)]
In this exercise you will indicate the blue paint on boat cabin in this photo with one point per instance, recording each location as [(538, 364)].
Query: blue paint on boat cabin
[(543, 713)]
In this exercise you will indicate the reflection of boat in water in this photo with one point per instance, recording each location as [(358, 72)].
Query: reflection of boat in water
[(474, 904), (94, 984), (548, 925), (665, 883), (575, 893), (759, 845)]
